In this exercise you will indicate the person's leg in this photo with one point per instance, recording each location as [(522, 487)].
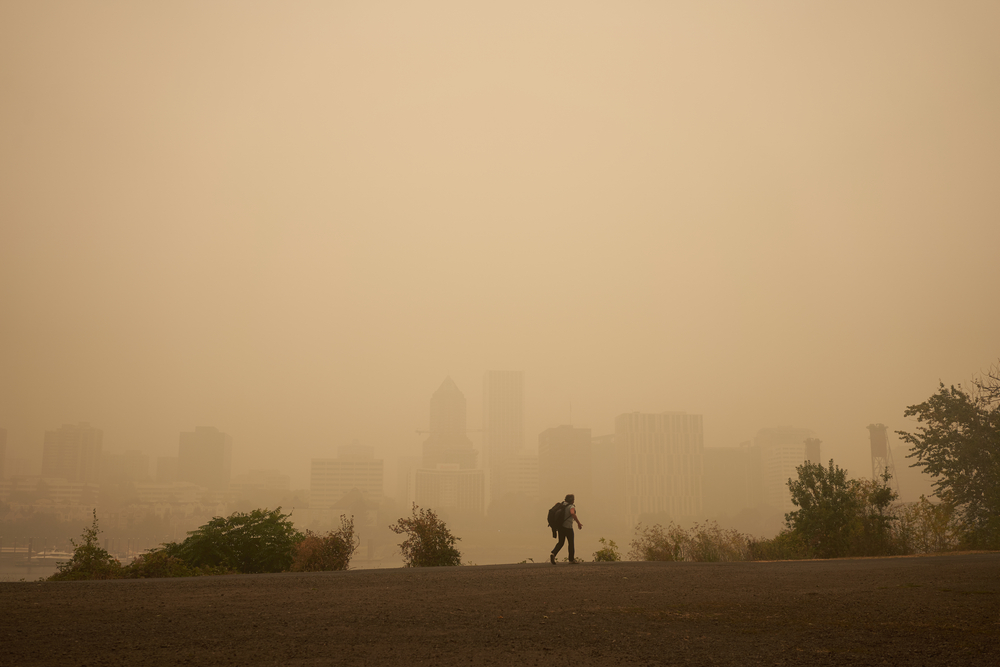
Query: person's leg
[(559, 544), (569, 539)]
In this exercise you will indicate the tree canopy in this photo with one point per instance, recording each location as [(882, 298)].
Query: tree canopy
[(247, 542), (958, 443), (428, 541), (838, 516)]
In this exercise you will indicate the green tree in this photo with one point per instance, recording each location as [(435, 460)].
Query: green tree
[(89, 560), (827, 505), (428, 541), (873, 531), (838, 516), (247, 542), (321, 553), (958, 442)]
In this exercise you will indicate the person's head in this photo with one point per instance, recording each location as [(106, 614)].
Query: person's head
[(570, 498)]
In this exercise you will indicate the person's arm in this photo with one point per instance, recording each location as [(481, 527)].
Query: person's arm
[(572, 515)]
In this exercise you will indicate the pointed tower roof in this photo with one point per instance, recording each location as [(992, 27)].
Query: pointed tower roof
[(448, 387)]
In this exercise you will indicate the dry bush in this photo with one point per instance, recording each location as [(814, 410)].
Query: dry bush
[(704, 542), (657, 543), (324, 553), (709, 543), (925, 527)]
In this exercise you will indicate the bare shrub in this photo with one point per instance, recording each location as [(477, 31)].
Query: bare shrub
[(324, 553), (658, 543), (704, 542), (926, 527), (709, 543)]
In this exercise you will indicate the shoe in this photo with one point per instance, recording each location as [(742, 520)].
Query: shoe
[(552, 558), (572, 561)]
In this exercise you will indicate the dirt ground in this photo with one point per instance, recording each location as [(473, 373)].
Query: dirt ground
[(934, 610)]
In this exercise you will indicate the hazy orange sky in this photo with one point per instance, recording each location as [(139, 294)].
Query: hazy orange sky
[(292, 220)]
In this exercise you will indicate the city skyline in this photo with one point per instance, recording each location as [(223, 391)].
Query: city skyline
[(300, 475), (291, 224)]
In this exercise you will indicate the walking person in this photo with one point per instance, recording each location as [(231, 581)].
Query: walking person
[(565, 530)]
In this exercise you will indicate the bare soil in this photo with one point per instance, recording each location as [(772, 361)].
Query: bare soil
[(935, 610)]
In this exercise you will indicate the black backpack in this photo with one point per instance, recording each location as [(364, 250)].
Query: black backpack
[(556, 517)]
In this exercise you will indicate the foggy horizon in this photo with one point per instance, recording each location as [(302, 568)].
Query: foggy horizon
[(293, 222)]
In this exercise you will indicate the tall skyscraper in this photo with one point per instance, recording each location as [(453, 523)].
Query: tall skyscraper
[(72, 453), (355, 467), (503, 428), (447, 480), (564, 463), (447, 442), (813, 450), (663, 464), (205, 457), (781, 450)]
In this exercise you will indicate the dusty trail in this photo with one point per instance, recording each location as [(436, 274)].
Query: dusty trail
[(935, 610)]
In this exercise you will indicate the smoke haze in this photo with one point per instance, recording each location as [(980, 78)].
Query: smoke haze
[(292, 221)]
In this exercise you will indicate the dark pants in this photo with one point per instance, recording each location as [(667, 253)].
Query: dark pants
[(565, 535)]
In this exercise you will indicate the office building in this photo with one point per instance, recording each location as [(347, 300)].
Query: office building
[(447, 442), (204, 457), (447, 480), (72, 453), (3, 452), (814, 451), (355, 467), (524, 476), (503, 429), (32, 489), (450, 490), (781, 450), (663, 464), (406, 485)]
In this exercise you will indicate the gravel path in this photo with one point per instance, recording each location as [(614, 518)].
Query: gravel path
[(934, 610)]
